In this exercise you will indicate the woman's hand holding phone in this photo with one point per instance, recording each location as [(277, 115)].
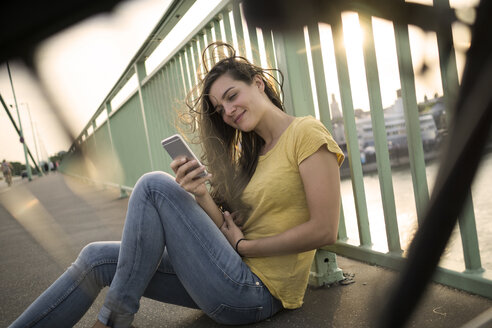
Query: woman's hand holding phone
[(188, 175)]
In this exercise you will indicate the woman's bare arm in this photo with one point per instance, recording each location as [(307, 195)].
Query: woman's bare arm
[(321, 179)]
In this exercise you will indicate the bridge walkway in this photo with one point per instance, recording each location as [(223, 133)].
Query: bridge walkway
[(45, 223)]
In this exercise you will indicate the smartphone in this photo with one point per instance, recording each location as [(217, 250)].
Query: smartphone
[(176, 146)]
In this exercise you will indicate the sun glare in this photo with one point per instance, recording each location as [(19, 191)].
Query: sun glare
[(353, 38)]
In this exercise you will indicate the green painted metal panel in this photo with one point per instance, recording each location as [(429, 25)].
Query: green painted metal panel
[(180, 87), (253, 40), (412, 122), (218, 36), (193, 60), (292, 61), (160, 120), (269, 50), (191, 70), (104, 161), (164, 75), (115, 165), (171, 83), (208, 33), (209, 38), (151, 106), (227, 26), (351, 134), (165, 84), (201, 43), (238, 25), (130, 141), (282, 66), (271, 58), (90, 157), (196, 56), (141, 74), (380, 140), (184, 69), (78, 166), (217, 32)]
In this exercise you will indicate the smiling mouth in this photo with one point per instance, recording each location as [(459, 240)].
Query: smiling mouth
[(238, 117)]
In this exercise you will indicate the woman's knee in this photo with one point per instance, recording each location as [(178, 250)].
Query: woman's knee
[(157, 180), (98, 253), (96, 263)]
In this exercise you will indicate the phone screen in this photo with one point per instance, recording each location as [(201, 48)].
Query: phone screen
[(176, 146)]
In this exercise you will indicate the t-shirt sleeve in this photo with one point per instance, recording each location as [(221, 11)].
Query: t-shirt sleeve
[(311, 134)]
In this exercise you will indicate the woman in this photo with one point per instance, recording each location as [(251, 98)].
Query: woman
[(181, 245)]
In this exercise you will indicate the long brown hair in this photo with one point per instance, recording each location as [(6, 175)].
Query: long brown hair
[(230, 155)]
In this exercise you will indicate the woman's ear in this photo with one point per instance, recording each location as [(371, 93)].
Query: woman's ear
[(259, 83)]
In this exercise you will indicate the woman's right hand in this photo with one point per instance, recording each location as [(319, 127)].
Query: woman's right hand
[(187, 179)]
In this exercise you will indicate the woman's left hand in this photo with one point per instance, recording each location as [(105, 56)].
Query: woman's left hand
[(232, 232)]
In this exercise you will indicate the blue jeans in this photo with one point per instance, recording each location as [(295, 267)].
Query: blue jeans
[(171, 251)]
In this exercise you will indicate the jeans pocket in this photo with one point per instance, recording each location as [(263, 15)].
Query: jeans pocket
[(230, 315)]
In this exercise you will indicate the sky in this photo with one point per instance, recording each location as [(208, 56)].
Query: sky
[(80, 65)]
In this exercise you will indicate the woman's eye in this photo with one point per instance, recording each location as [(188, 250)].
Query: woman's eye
[(231, 97)]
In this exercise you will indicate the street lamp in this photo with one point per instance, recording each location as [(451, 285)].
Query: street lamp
[(33, 135), (28, 167)]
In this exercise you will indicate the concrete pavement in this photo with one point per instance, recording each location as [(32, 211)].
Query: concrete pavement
[(45, 223)]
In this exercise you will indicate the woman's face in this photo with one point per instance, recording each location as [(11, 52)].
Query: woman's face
[(238, 103)]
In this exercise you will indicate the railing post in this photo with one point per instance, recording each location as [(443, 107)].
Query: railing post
[(227, 25), (450, 85), (319, 76), (253, 40), (208, 33), (270, 56), (323, 102), (179, 82), (114, 158), (469, 239), (292, 61), (141, 74), (380, 140), (351, 134), (238, 25), (201, 42), (324, 269), (414, 139), (217, 32)]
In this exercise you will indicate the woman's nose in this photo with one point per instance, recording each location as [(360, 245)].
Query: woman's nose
[(229, 109)]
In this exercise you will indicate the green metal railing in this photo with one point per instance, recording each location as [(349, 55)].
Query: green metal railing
[(127, 144)]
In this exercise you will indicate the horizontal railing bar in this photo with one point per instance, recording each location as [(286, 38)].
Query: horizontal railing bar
[(476, 283)]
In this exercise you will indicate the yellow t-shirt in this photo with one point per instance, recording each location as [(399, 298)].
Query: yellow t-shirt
[(278, 201)]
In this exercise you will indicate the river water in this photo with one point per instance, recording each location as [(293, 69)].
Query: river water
[(407, 215)]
